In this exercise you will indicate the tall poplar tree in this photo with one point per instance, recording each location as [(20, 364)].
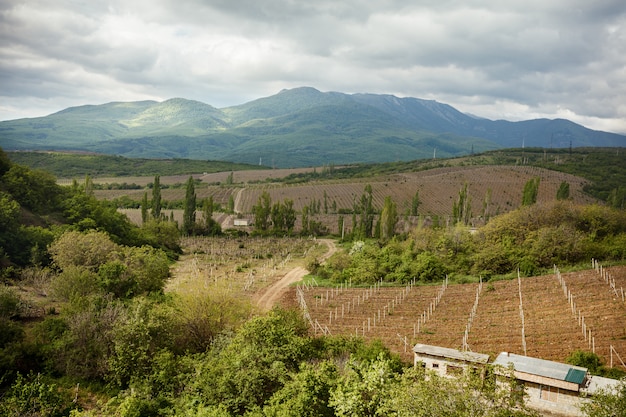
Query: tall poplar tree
[(388, 219), (262, 211), (156, 198), (144, 208), (531, 190), (189, 209)]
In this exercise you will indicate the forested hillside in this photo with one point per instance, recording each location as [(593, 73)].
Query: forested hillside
[(295, 128)]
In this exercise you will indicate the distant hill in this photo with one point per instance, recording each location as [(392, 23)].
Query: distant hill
[(294, 128)]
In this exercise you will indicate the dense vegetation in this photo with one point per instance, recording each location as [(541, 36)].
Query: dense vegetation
[(531, 239), (72, 165), (112, 342)]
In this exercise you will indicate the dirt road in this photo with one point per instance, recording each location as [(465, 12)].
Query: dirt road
[(274, 292)]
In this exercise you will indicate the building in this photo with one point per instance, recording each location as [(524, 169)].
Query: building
[(551, 387), (240, 222), (554, 387), (446, 361)]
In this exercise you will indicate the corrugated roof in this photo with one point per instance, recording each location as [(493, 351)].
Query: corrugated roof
[(576, 376), (598, 384), (448, 353), (542, 367)]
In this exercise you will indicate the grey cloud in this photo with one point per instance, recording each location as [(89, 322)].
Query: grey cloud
[(545, 56)]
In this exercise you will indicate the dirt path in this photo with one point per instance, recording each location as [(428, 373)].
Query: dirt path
[(274, 292), (227, 220)]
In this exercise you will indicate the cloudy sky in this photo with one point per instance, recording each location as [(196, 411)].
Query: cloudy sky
[(513, 59)]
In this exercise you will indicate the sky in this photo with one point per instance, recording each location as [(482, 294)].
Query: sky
[(512, 60)]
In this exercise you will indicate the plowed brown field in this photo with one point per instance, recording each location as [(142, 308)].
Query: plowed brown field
[(551, 330)]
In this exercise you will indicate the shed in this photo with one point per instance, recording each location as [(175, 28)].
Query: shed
[(551, 386), (447, 361), (240, 222)]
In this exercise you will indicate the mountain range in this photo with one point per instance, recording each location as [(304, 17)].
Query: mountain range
[(294, 128)]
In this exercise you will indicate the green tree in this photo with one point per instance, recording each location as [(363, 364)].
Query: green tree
[(189, 208), (289, 215), (415, 203), (305, 221), (9, 227), (388, 219), (231, 204), (588, 360), (88, 250), (277, 217), (211, 226), (256, 362), (144, 208), (531, 190), (462, 208), (486, 214), (429, 395), (366, 210), (563, 191), (364, 388), (34, 190), (156, 198), (139, 334), (617, 197), (163, 235), (262, 211), (607, 403), (88, 187), (307, 393)]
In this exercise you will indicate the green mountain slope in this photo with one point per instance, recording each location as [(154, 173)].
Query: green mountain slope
[(298, 127)]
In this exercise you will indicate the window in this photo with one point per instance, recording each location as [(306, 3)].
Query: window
[(548, 393), (454, 370)]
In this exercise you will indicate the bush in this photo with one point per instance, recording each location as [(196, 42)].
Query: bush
[(32, 396), (10, 302)]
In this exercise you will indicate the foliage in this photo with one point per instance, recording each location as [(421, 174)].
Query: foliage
[(163, 235), (32, 396), (156, 198), (461, 209), (607, 403), (542, 235), (588, 360), (364, 388), (531, 190), (189, 208), (206, 314), (262, 212), (73, 165), (563, 191), (144, 329), (255, 363), (418, 393), (87, 250), (307, 393), (594, 364), (10, 302), (388, 219), (34, 190)]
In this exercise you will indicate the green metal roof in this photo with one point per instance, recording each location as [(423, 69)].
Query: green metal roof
[(576, 376)]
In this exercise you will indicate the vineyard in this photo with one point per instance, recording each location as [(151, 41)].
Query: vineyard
[(244, 265), (492, 190), (546, 317)]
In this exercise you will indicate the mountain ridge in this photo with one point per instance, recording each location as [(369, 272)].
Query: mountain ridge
[(295, 127)]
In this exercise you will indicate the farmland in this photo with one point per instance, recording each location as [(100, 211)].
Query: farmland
[(440, 314), (492, 190), (437, 314)]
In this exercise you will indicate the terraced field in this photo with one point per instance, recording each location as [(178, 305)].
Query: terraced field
[(544, 326)]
